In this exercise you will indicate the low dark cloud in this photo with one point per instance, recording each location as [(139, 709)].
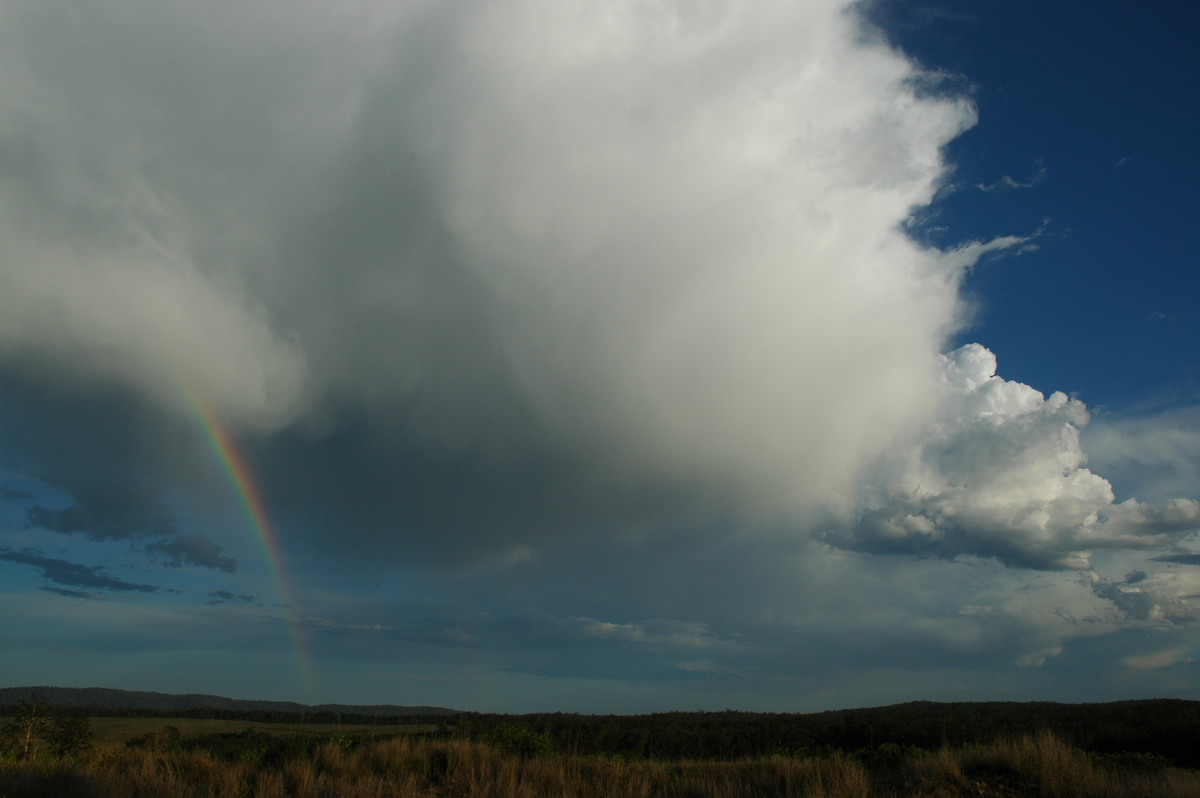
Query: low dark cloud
[(61, 591), (192, 550), (69, 573), (10, 494), (223, 596), (107, 509), (1183, 559)]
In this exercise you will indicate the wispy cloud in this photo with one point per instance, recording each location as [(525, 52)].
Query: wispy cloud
[(653, 632), (1008, 183), (79, 594)]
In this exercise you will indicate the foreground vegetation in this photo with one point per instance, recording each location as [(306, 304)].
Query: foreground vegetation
[(47, 751), (513, 762)]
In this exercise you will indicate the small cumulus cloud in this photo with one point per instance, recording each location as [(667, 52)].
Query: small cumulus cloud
[(192, 550), (223, 596)]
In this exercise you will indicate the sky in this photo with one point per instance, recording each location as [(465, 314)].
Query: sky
[(620, 357)]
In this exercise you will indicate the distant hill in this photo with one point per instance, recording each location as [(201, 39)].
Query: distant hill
[(166, 702)]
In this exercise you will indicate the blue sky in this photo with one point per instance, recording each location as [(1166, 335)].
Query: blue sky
[(601, 357), (1094, 110)]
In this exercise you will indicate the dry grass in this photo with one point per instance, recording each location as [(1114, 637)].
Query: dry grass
[(413, 768)]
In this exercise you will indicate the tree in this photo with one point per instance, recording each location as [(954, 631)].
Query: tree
[(69, 734), (30, 723)]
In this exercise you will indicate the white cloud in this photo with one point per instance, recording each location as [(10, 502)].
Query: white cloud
[(1164, 597), (1155, 456), (1001, 473), (662, 235), (1008, 182)]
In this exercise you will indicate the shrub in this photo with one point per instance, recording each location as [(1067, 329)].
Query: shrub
[(1131, 761), (512, 739)]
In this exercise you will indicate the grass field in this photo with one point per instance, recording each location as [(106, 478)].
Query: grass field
[(112, 732)]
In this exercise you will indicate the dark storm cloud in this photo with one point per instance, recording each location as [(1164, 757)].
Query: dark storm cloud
[(391, 495), (404, 220), (69, 573), (192, 550), (109, 453), (113, 458), (107, 510), (11, 494), (452, 306)]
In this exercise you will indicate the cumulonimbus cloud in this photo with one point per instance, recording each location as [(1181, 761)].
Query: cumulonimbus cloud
[(659, 244), (667, 234)]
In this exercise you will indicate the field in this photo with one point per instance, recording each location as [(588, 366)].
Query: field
[(113, 732)]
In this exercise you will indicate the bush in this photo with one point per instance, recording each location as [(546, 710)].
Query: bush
[(1130, 761), (69, 735), (518, 740)]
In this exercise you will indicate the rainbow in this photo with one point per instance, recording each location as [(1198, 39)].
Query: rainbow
[(241, 479)]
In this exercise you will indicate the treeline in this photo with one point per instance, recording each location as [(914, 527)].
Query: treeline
[(1168, 728), (1165, 727), (322, 718)]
